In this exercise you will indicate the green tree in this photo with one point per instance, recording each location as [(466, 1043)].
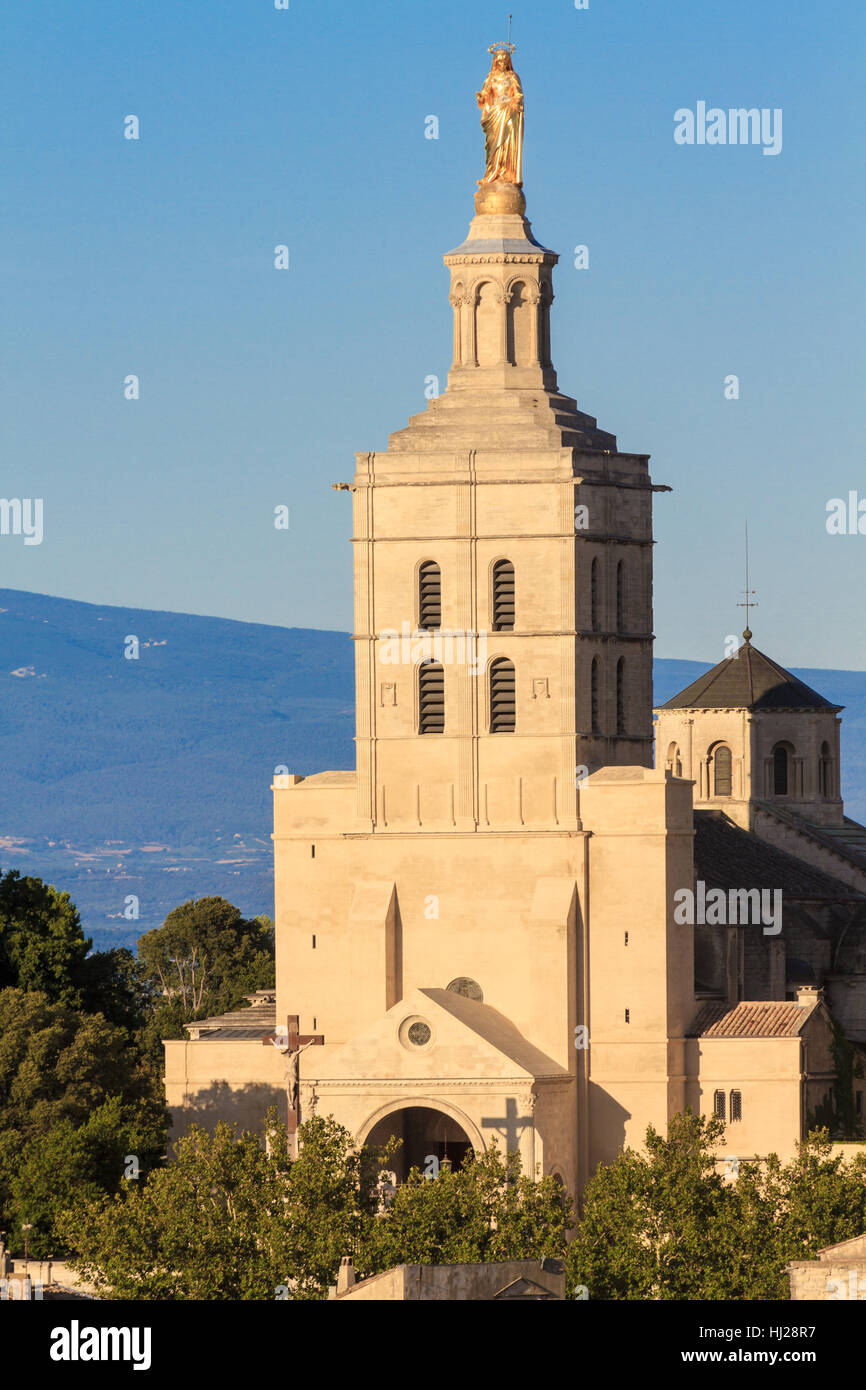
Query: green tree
[(113, 983), (665, 1225), (206, 956), (230, 1219), (651, 1220), (42, 946), (487, 1210), (75, 1099)]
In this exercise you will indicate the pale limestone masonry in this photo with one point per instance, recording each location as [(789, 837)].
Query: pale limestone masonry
[(479, 918), (508, 1280), (837, 1275)]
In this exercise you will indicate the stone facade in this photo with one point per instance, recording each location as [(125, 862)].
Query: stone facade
[(838, 1274), (505, 1281), (479, 919)]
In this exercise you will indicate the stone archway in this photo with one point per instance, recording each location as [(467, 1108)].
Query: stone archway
[(425, 1131)]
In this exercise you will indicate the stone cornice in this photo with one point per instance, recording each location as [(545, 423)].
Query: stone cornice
[(504, 258)]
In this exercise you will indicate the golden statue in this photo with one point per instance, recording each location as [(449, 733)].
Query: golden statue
[(501, 102)]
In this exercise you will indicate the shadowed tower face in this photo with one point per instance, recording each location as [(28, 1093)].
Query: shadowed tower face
[(503, 571)]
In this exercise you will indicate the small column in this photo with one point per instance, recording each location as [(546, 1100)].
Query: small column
[(503, 299), (457, 301), (471, 359), (534, 299)]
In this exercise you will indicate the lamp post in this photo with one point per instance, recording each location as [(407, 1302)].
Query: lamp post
[(27, 1227)]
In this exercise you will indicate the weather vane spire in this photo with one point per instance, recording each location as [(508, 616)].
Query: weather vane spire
[(748, 593), (507, 47)]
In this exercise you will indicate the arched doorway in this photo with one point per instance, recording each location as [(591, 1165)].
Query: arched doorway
[(423, 1132)]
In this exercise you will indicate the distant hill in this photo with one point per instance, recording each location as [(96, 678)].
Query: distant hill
[(150, 777)]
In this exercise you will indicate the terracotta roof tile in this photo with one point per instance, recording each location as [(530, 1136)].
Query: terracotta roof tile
[(757, 1018)]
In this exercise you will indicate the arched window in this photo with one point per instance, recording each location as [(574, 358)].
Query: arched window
[(780, 770), (620, 696), (431, 698), (722, 773), (825, 771), (594, 596), (502, 697), (736, 1106), (593, 695), (674, 760), (429, 596), (503, 596), (719, 1105), (620, 597)]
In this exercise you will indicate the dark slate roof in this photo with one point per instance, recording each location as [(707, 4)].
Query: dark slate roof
[(240, 1025), (756, 1018), (727, 856), (749, 680)]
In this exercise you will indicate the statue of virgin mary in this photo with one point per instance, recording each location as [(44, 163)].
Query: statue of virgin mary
[(501, 102)]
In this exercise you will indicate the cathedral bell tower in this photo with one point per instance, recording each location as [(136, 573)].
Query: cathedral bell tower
[(503, 565)]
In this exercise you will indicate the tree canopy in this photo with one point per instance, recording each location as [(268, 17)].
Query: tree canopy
[(207, 955), (231, 1219)]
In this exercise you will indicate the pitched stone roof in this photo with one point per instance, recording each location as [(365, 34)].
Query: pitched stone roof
[(750, 680), (756, 1018), (848, 840), (726, 856)]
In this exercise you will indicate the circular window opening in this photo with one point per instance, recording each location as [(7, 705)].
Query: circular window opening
[(415, 1032), (470, 989)]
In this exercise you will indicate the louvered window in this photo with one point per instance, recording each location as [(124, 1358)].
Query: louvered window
[(503, 596), (719, 1105), (722, 775), (429, 596), (502, 698), (431, 698), (736, 1105), (620, 696)]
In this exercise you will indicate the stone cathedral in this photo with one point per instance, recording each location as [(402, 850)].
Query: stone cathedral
[(477, 930)]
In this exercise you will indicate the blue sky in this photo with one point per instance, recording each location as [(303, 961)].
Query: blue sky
[(306, 127)]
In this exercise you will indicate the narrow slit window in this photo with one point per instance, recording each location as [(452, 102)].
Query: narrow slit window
[(431, 698), (502, 697), (503, 596), (620, 597), (780, 770), (429, 596), (825, 771), (620, 696), (594, 596), (593, 696)]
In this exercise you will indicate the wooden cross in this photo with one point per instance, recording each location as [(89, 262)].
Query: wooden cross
[(292, 1044)]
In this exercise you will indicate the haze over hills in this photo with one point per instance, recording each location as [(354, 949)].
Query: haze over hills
[(149, 778)]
